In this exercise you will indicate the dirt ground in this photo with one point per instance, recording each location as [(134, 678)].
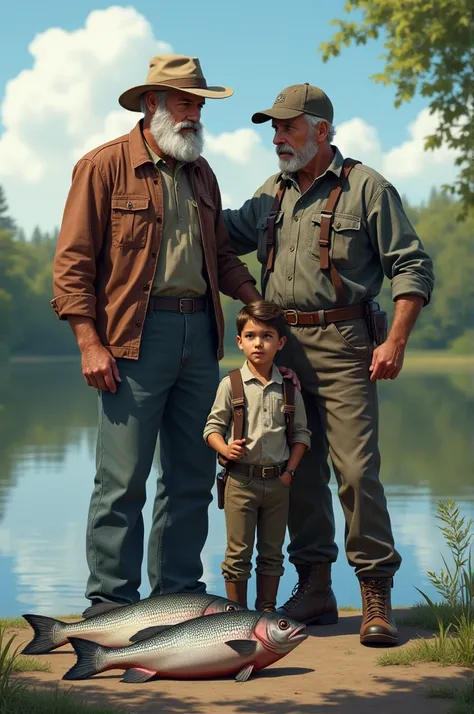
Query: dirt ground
[(329, 673)]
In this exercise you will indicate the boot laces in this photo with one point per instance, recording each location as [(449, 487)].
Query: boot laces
[(376, 599), (300, 589)]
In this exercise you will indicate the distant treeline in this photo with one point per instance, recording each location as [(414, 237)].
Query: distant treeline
[(28, 325)]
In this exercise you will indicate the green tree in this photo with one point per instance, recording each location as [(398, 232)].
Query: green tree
[(430, 50), (6, 223)]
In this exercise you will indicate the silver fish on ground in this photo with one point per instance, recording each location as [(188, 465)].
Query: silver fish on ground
[(116, 627), (215, 646)]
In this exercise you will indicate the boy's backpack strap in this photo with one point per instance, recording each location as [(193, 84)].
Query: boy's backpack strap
[(289, 408), (238, 403)]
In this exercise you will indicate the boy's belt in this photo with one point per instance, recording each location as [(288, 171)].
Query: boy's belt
[(257, 471), (324, 317), (183, 305)]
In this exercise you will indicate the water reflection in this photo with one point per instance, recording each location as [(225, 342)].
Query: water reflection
[(47, 444)]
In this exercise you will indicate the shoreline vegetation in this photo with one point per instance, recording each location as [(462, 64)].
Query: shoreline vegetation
[(415, 360)]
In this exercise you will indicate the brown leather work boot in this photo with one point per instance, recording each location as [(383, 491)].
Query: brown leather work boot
[(378, 626), (237, 591), (267, 588), (312, 600)]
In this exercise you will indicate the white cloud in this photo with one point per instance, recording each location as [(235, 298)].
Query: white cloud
[(67, 104)]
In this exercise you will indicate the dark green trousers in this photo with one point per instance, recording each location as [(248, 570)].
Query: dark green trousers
[(341, 403), (168, 392)]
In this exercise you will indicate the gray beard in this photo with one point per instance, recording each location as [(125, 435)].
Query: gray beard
[(165, 132), (300, 158)]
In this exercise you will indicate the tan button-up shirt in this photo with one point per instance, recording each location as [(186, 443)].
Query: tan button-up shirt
[(371, 236), (264, 423), (180, 262), (111, 237)]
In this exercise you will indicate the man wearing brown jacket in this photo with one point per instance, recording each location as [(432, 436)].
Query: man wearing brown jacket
[(141, 258)]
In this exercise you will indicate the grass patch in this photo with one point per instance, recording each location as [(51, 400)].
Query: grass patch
[(39, 702), (30, 664), (349, 608), (462, 697), (445, 651), (423, 616)]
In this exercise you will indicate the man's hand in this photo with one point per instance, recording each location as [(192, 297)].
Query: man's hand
[(235, 450), (100, 368), (285, 478), (288, 373), (387, 360)]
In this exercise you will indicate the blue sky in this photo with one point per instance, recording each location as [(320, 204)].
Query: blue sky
[(257, 48)]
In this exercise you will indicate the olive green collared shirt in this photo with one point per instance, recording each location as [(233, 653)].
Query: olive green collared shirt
[(179, 270), (371, 237), (264, 424)]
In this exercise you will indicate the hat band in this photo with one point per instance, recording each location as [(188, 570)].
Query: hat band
[(190, 82)]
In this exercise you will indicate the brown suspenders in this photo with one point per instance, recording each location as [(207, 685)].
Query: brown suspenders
[(327, 215)]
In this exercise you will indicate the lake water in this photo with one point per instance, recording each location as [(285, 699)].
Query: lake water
[(47, 443)]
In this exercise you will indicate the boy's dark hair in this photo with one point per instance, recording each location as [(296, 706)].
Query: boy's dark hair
[(265, 312)]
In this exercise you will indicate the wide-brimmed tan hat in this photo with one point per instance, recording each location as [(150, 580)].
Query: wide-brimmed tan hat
[(295, 100), (173, 72)]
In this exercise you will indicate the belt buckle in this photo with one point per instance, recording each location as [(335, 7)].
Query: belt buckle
[(265, 469), (292, 313), (181, 306)]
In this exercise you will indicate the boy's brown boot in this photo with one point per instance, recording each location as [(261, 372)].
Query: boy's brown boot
[(237, 591), (378, 626), (312, 601), (267, 588)]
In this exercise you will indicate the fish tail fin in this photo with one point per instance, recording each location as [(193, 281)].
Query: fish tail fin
[(48, 634), (91, 659)]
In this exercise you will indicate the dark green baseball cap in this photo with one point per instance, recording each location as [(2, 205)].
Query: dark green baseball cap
[(295, 100)]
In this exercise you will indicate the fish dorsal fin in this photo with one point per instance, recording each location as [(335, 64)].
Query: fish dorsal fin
[(99, 608), (148, 632), (243, 647), (244, 673), (137, 675)]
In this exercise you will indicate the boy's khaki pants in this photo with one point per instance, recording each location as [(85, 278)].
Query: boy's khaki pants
[(254, 506)]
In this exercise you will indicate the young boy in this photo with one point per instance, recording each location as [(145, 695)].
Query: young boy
[(262, 464)]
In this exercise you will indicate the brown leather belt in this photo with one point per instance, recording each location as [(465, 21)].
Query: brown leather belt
[(183, 305), (324, 317), (257, 471)]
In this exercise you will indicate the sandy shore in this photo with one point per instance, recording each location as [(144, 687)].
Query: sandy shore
[(329, 673)]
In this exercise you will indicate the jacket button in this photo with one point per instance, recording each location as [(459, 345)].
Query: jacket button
[(129, 204), (153, 255), (158, 219), (146, 287), (338, 224), (138, 324)]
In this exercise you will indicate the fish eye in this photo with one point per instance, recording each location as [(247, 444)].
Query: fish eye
[(283, 624), (230, 608)]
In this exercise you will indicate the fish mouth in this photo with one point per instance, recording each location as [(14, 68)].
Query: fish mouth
[(296, 635)]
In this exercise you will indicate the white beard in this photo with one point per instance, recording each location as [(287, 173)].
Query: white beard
[(165, 132), (300, 158)]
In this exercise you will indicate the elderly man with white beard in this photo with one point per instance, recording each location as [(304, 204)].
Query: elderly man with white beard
[(142, 255), (326, 230)]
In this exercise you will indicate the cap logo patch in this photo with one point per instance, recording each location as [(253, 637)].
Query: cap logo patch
[(281, 98)]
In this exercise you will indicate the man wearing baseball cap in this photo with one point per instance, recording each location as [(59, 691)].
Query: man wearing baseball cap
[(141, 258), (326, 230)]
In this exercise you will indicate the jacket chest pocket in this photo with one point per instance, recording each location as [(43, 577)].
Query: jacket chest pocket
[(343, 239), (130, 221), (262, 234)]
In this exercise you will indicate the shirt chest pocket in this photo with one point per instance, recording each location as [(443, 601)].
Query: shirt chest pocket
[(130, 221), (262, 234), (194, 224), (278, 410), (208, 210), (344, 238)]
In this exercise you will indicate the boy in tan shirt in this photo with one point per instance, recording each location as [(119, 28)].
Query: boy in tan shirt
[(262, 464)]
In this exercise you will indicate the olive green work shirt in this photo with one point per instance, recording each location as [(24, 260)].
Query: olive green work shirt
[(371, 236), (264, 424), (179, 269)]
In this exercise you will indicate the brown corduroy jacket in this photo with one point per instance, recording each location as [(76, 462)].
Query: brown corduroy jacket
[(110, 239)]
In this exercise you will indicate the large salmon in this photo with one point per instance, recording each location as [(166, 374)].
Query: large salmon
[(214, 646), (116, 627)]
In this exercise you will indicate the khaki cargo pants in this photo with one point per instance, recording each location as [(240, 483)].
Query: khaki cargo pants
[(254, 506), (332, 364)]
